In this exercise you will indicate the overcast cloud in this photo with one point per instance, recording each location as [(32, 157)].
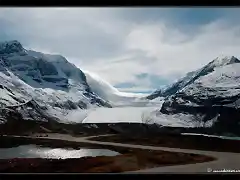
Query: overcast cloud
[(134, 49)]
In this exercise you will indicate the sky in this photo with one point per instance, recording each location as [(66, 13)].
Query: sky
[(134, 49)]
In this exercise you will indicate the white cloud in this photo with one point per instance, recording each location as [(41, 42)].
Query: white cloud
[(176, 52), (169, 52), (106, 90), (119, 44)]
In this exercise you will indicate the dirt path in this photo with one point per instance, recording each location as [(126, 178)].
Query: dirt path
[(225, 160)]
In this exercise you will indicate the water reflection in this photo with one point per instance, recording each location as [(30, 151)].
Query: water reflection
[(34, 151), (222, 137)]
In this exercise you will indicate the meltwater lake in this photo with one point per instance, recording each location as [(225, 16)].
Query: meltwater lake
[(35, 151)]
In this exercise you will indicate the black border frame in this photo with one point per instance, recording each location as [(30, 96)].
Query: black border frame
[(126, 4), (119, 176), (121, 3)]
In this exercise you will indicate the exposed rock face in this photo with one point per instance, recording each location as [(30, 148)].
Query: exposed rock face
[(191, 77), (49, 81), (213, 98)]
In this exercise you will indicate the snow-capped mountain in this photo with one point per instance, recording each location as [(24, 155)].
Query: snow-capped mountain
[(192, 76), (49, 81), (212, 96)]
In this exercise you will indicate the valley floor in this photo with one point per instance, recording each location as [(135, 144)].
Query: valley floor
[(176, 141), (130, 159), (138, 150), (133, 157)]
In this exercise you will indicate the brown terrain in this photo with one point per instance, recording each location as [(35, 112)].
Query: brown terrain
[(28, 127), (177, 141), (130, 159)]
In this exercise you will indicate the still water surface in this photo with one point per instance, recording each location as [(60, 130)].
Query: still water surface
[(222, 137), (34, 151)]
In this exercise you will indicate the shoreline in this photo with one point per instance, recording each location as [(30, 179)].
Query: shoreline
[(206, 143)]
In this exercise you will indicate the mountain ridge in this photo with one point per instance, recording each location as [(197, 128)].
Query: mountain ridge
[(190, 77), (48, 80), (213, 100)]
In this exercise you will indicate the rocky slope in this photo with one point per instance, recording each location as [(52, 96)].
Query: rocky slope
[(212, 95), (190, 77), (33, 85)]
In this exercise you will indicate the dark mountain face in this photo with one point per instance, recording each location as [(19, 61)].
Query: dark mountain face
[(10, 47), (155, 94), (213, 95), (192, 76), (49, 81)]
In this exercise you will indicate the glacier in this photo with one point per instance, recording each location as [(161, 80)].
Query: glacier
[(57, 90)]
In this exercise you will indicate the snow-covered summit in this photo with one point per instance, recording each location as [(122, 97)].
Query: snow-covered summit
[(224, 60), (49, 57), (191, 77), (223, 82), (41, 70)]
